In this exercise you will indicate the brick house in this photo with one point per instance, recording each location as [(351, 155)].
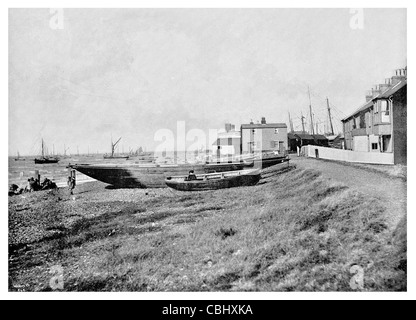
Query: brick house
[(380, 125), (263, 137)]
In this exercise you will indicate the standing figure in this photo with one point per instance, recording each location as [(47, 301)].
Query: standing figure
[(191, 175), (71, 185)]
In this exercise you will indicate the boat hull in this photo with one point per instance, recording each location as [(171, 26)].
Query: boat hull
[(46, 161), (238, 180), (138, 176), (116, 157), (153, 176)]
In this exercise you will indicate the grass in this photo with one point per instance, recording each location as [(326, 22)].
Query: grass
[(293, 232)]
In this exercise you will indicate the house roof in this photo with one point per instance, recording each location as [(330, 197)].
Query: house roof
[(304, 136), (335, 136), (365, 106), (291, 135), (319, 137), (384, 95), (262, 126)]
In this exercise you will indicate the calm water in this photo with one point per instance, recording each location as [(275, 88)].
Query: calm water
[(20, 171)]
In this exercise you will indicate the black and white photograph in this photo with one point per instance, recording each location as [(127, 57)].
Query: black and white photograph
[(207, 150)]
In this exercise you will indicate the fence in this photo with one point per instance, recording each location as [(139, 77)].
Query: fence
[(347, 155)]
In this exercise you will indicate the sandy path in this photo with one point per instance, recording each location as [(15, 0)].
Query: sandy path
[(390, 191)]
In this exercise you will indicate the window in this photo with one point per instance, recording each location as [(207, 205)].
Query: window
[(385, 111), (362, 120), (274, 144), (374, 146), (230, 141)]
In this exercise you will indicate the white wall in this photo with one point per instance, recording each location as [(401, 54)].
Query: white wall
[(348, 155), (360, 143)]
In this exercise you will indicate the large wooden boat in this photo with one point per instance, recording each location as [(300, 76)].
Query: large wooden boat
[(147, 176), (132, 175), (214, 181)]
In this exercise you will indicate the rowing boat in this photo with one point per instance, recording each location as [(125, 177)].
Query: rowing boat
[(215, 181)]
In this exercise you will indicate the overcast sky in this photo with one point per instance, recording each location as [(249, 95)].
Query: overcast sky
[(128, 73)]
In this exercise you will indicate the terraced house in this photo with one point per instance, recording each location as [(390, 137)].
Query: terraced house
[(380, 125)]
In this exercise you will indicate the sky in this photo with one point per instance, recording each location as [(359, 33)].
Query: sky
[(88, 76)]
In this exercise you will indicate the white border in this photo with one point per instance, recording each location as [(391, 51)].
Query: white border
[(4, 294)]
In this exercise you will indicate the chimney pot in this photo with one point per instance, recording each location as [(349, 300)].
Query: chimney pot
[(263, 120)]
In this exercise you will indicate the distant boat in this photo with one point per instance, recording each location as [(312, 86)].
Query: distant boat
[(19, 158), (113, 155), (45, 159), (214, 181)]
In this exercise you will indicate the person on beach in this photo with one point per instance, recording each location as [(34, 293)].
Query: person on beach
[(32, 185), (71, 185), (191, 175)]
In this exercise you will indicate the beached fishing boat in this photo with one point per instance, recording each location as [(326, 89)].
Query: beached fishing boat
[(132, 175), (45, 159), (214, 181)]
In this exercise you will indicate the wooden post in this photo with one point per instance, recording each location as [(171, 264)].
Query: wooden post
[(37, 175)]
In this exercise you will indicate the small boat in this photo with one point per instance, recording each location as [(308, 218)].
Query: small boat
[(214, 181), (45, 159), (109, 156), (19, 158), (113, 155)]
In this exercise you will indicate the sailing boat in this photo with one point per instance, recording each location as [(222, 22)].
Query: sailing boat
[(18, 157), (112, 155), (45, 159)]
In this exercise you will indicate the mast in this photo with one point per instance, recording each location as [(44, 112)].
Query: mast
[(42, 150), (290, 123), (330, 118), (303, 122), (113, 146), (310, 110)]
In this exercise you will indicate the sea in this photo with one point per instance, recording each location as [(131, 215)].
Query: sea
[(22, 170)]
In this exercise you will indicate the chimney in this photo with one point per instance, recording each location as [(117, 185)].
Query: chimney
[(401, 74), (228, 127), (376, 91), (383, 87), (251, 121), (368, 96), (263, 120)]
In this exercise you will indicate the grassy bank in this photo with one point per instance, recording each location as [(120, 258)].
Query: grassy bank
[(293, 232)]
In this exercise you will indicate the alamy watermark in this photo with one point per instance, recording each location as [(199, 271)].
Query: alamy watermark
[(56, 282), (56, 21), (357, 19)]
